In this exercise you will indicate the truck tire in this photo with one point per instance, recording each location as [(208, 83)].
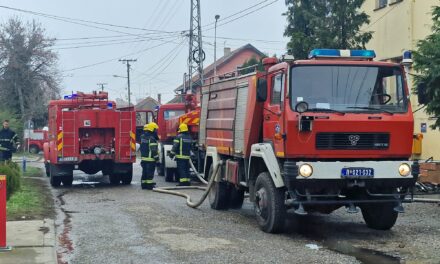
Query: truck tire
[(34, 149), (169, 174), (236, 198), (379, 216), (127, 177), (269, 204), (46, 166), (115, 179), (67, 180), (219, 194), (55, 181)]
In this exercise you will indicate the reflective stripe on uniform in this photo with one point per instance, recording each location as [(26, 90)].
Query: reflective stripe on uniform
[(147, 159), (182, 157), (147, 181), (184, 180), (176, 141)]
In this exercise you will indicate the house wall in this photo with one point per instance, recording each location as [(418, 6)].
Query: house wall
[(398, 27)]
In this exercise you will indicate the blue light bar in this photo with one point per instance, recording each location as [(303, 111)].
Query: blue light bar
[(70, 96), (335, 53)]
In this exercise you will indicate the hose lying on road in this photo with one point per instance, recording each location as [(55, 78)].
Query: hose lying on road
[(197, 174), (425, 200), (171, 190)]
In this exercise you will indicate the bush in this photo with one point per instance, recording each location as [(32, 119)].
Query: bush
[(13, 179)]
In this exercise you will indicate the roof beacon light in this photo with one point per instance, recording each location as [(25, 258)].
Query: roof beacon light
[(334, 53), (70, 96), (407, 58)]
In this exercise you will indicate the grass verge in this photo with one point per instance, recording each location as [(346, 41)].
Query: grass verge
[(32, 201), (32, 172)]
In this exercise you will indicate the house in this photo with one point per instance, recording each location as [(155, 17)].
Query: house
[(148, 103), (397, 26), (226, 64)]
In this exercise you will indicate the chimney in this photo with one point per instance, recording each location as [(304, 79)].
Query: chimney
[(159, 98), (227, 51)]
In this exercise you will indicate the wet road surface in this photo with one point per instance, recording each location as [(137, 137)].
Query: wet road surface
[(101, 223)]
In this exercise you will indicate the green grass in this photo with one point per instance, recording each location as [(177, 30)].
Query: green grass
[(33, 201), (32, 172), (26, 154)]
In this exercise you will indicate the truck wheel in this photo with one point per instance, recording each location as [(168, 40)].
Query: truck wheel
[(67, 180), (380, 216), (219, 194), (269, 204), (127, 177), (55, 181), (114, 179), (169, 174), (236, 198), (46, 166), (34, 149)]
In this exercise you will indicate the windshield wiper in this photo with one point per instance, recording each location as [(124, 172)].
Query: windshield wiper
[(325, 110), (370, 108)]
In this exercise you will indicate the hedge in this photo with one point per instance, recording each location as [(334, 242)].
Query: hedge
[(13, 179)]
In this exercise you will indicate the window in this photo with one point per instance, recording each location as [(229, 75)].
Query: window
[(381, 3), (168, 114), (277, 89)]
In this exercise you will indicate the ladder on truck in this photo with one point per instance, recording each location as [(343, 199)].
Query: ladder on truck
[(68, 134), (124, 135)]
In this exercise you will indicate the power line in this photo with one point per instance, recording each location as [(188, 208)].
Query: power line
[(246, 14), (112, 59), (81, 20)]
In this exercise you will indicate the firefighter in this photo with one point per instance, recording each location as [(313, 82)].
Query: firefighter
[(181, 151), (8, 139), (149, 155)]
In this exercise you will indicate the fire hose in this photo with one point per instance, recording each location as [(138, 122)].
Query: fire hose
[(189, 202)]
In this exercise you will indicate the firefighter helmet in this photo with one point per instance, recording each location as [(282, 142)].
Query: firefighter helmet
[(151, 126), (183, 128)]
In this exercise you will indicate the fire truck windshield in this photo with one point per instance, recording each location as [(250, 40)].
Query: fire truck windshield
[(348, 88)]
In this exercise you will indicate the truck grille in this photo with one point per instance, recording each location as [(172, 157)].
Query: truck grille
[(352, 140)]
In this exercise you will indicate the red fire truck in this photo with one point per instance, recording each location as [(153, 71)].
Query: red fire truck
[(311, 135), (88, 133), (35, 140)]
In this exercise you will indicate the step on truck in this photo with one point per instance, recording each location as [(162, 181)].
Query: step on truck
[(88, 133), (312, 135)]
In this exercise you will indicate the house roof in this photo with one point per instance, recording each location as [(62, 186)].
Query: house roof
[(148, 103), (222, 61)]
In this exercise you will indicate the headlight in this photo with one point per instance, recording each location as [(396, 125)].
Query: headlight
[(404, 169), (305, 170), (97, 150)]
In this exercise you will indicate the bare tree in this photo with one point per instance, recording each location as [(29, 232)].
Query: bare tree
[(29, 77)]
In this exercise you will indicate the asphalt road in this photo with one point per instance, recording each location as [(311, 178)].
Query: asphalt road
[(100, 223)]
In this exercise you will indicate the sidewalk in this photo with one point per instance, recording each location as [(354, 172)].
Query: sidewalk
[(31, 242)]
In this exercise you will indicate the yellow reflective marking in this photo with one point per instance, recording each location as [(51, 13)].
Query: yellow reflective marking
[(280, 154), (132, 135), (186, 120), (195, 121), (60, 146), (2, 177), (60, 135), (133, 146)]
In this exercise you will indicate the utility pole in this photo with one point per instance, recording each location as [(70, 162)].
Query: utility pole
[(102, 85), (127, 61), (196, 54), (215, 46)]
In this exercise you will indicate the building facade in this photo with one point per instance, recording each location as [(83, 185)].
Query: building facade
[(397, 26)]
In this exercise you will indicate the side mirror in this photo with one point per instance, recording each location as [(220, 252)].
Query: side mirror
[(261, 90), (421, 93)]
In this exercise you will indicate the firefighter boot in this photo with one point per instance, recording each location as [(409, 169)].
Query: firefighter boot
[(147, 184)]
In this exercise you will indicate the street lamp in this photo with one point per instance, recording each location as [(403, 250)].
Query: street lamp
[(215, 46), (119, 76)]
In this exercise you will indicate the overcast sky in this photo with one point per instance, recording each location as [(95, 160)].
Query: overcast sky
[(161, 54)]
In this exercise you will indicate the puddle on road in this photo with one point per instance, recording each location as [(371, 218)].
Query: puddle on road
[(364, 255)]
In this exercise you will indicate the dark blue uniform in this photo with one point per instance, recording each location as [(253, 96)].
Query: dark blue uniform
[(7, 140), (181, 151), (149, 155)]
